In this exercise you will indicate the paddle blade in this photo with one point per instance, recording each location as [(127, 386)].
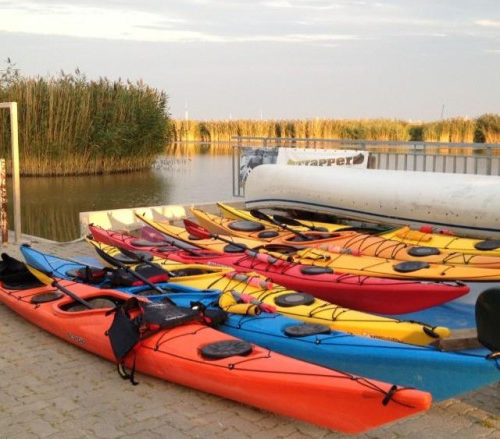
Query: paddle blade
[(45, 278), (196, 230), (289, 221), (488, 318), (106, 257), (262, 216)]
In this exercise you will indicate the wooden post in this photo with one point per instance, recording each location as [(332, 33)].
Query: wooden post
[(3, 202)]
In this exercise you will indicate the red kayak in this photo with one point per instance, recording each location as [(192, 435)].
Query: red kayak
[(363, 293)]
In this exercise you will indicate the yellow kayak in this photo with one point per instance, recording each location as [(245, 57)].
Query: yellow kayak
[(338, 318), (450, 243), (342, 262), (488, 247), (237, 214), (361, 243)]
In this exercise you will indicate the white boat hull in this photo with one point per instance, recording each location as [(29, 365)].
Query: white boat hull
[(466, 204)]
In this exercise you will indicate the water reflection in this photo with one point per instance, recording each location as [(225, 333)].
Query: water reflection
[(50, 205)]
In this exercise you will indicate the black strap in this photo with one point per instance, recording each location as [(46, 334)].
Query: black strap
[(122, 371), (212, 317), (389, 394)]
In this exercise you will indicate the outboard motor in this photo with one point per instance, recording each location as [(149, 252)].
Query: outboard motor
[(488, 320)]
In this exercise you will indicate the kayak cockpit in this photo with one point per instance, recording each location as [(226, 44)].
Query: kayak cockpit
[(99, 302)]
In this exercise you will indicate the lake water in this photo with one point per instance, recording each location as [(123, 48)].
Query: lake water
[(184, 175)]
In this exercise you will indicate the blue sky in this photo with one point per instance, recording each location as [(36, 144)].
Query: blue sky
[(279, 58)]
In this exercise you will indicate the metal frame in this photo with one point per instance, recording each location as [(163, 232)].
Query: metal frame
[(472, 158), (16, 181)]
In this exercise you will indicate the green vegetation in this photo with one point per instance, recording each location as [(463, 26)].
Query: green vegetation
[(487, 128), (69, 125), (483, 129)]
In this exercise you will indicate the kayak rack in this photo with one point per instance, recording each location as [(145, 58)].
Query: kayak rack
[(448, 157)]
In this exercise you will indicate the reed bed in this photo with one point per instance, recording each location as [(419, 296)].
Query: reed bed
[(69, 125), (486, 128)]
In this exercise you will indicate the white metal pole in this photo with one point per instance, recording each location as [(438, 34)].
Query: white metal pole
[(16, 186), (16, 180)]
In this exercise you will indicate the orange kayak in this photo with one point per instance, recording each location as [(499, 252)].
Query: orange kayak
[(254, 376), (358, 243)]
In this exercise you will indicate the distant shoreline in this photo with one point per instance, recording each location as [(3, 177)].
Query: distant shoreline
[(483, 129)]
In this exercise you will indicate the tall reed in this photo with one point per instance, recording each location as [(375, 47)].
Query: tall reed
[(485, 128), (488, 128), (70, 125)]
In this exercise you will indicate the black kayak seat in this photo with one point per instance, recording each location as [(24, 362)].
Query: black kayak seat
[(409, 266), (190, 271), (306, 329), (232, 248), (124, 259), (423, 251), (167, 315), (225, 349), (87, 274), (488, 244), (294, 299), (246, 226), (314, 270), (49, 296), (298, 238), (309, 236), (280, 248), (268, 234)]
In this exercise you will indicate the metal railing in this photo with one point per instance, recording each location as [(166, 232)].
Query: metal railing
[(465, 158)]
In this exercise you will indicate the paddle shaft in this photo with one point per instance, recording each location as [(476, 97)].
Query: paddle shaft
[(71, 294), (188, 248), (143, 260), (258, 214), (292, 222), (138, 276)]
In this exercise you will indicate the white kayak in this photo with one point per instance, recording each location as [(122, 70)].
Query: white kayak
[(466, 204)]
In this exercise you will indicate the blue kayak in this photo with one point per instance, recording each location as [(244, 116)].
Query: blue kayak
[(457, 314), (443, 374), (453, 315)]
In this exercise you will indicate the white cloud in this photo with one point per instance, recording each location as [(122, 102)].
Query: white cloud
[(285, 21), (488, 23), (297, 38), (106, 23), (304, 4), (93, 22)]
